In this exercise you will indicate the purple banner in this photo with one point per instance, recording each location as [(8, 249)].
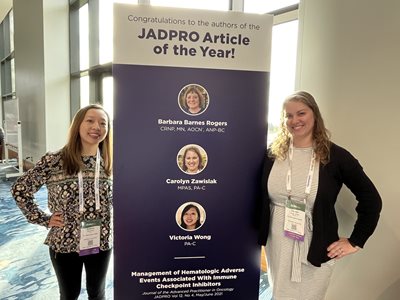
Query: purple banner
[(188, 150)]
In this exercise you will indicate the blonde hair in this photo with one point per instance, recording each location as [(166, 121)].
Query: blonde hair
[(71, 152), (321, 135)]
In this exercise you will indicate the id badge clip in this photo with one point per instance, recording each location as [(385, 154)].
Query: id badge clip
[(295, 217), (90, 237)]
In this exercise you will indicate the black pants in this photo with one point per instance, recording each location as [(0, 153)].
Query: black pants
[(68, 269)]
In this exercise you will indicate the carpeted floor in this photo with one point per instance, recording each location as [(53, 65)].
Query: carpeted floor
[(25, 267)]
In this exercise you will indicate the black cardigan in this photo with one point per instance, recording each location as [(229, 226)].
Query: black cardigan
[(342, 168)]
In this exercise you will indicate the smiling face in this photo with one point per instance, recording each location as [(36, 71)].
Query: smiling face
[(193, 102), (190, 218), (192, 161), (299, 121), (93, 130)]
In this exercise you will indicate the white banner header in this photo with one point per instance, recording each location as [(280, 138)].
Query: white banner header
[(148, 35)]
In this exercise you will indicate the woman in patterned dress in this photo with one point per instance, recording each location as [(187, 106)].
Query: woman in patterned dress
[(303, 174), (78, 178)]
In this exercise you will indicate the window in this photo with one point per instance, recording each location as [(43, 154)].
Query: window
[(91, 50), (257, 6), (84, 37), (7, 63), (199, 4), (106, 31), (283, 69), (84, 92), (108, 95), (283, 54)]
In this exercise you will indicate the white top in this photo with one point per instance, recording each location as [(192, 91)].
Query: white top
[(290, 274)]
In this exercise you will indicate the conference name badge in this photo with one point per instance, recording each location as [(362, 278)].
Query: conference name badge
[(90, 237), (295, 217)]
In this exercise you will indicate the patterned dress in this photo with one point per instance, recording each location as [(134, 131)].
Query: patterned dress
[(291, 276), (63, 196)]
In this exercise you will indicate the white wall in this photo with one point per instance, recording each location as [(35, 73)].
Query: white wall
[(56, 61), (350, 61)]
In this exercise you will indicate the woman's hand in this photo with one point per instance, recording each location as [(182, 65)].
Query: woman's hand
[(341, 248), (56, 220)]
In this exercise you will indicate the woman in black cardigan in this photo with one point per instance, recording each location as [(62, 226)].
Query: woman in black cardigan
[(303, 174)]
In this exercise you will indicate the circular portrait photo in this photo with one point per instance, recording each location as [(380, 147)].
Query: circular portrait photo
[(192, 159), (190, 216), (193, 99)]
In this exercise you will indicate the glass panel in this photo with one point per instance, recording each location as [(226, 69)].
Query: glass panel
[(13, 75), (200, 4), (7, 77), (2, 41), (84, 97), (11, 31), (84, 37), (257, 6), (126, 1), (108, 96), (283, 71), (106, 29), (2, 78), (6, 36)]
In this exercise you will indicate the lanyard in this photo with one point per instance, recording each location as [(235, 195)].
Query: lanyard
[(309, 176), (96, 185)]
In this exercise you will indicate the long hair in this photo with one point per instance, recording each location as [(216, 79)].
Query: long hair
[(187, 207), (321, 135), (71, 152), (195, 150)]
